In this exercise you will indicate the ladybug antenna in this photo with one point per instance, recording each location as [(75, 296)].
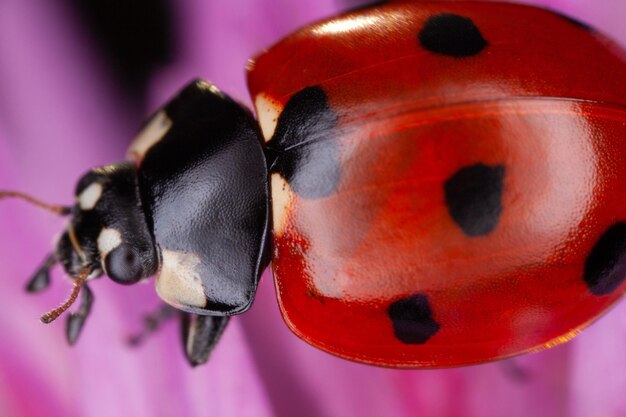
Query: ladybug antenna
[(58, 209), (75, 244), (52, 315)]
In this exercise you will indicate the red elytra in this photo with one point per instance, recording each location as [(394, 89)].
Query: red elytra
[(480, 210)]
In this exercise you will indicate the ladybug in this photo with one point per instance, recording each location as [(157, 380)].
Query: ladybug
[(435, 184)]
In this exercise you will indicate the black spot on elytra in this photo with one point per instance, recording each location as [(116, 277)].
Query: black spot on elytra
[(605, 268), (304, 149), (474, 198), (452, 35), (412, 319)]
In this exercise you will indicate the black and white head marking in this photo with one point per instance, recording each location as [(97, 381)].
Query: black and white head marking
[(108, 216)]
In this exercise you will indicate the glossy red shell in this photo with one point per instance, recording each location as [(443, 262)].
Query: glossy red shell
[(544, 100)]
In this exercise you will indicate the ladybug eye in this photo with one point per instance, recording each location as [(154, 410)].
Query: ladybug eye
[(123, 265)]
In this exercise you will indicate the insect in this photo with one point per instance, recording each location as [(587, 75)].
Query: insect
[(435, 184)]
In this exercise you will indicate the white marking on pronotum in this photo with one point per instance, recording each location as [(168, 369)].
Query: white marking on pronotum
[(152, 133), (281, 200), (108, 239), (267, 111), (88, 199), (179, 282)]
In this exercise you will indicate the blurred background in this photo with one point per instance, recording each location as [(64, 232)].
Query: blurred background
[(76, 80)]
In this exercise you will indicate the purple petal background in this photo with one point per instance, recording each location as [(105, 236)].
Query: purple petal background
[(61, 113)]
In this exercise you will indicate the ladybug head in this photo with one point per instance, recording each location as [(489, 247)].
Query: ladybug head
[(107, 233)]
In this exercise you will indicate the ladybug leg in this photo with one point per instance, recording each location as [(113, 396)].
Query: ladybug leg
[(76, 320), (153, 322), (200, 335), (41, 279)]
